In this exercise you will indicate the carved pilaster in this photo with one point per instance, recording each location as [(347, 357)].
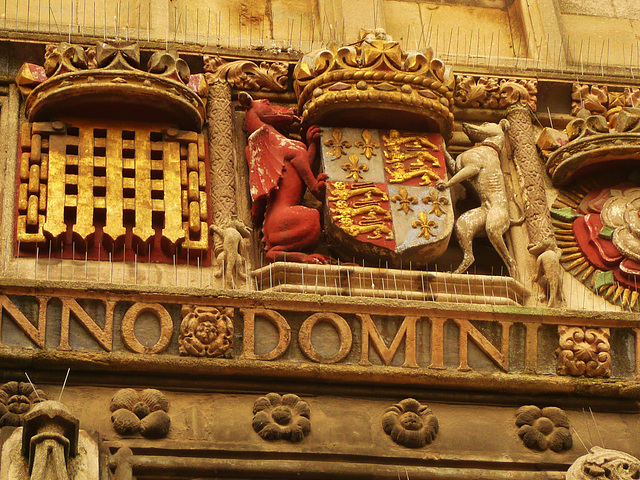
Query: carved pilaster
[(542, 243), (223, 174)]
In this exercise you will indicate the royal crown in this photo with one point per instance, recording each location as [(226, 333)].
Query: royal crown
[(108, 79), (375, 83)]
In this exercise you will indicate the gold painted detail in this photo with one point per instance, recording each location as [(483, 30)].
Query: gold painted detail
[(373, 214), (425, 225), (405, 200), (403, 148), (436, 200), (367, 145), (336, 144), (354, 168), (145, 179)]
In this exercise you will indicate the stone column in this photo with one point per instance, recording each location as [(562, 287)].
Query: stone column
[(223, 172)]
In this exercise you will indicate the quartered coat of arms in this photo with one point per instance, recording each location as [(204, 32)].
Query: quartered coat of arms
[(381, 197)]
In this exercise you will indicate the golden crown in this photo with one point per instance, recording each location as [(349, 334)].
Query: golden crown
[(375, 83)]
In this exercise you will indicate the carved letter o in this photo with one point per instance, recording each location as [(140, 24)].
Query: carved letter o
[(341, 326), (128, 331)]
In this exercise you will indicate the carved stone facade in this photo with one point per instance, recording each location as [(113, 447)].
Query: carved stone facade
[(230, 203)]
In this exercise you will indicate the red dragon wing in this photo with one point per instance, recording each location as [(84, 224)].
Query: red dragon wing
[(265, 157)]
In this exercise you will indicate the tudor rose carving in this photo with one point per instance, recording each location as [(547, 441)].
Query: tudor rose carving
[(281, 417), (205, 331), (410, 424), (542, 429)]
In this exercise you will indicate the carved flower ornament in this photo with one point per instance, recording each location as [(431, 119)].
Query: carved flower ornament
[(410, 424), (285, 417), (144, 413), (16, 399), (542, 429), (205, 331)]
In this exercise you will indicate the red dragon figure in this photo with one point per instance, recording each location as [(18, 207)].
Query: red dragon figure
[(279, 170)]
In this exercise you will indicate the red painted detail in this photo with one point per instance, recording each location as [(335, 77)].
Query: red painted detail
[(359, 201), (606, 249), (410, 149), (280, 171)]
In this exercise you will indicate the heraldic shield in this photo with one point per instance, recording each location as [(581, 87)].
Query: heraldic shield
[(381, 198)]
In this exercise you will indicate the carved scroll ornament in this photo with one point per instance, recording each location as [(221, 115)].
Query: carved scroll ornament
[(494, 93), (601, 463), (247, 75)]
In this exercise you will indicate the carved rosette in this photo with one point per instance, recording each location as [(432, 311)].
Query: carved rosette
[(374, 74), (17, 399), (281, 417), (544, 429), (494, 93), (602, 463), (144, 413), (584, 351), (410, 424), (205, 331)]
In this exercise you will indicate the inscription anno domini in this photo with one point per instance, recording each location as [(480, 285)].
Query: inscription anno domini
[(428, 339)]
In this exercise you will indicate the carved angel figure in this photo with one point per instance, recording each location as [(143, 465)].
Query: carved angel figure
[(279, 172)]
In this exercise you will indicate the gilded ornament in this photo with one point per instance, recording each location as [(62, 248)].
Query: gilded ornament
[(437, 200), (368, 146), (425, 225), (405, 200), (354, 168), (336, 144)]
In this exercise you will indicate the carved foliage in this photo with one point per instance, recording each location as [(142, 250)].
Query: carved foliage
[(247, 75), (285, 417), (604, 463), (205, 331), (599, 100), (543, 429), (16, 399), (584, 351), (492, 92), (410, 424), (144, 413)]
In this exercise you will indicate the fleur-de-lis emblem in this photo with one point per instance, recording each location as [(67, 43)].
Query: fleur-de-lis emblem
[(405, 200), (425, 225), (354, 167), (336, 144), (436, 203), (367, 146)]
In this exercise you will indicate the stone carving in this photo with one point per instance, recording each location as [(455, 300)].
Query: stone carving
[(205, 331), (374, 199), (601, 463), (230, 260), (480, 168), (542, 243), (493, 92), (121, 463), (63, 58), (285, 417), (601, 100), (584, 351), (17, 399), (543, 429), (375, 74), (596, 228), (144, 413), (410, 424), (279, 171), (247, 75)]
